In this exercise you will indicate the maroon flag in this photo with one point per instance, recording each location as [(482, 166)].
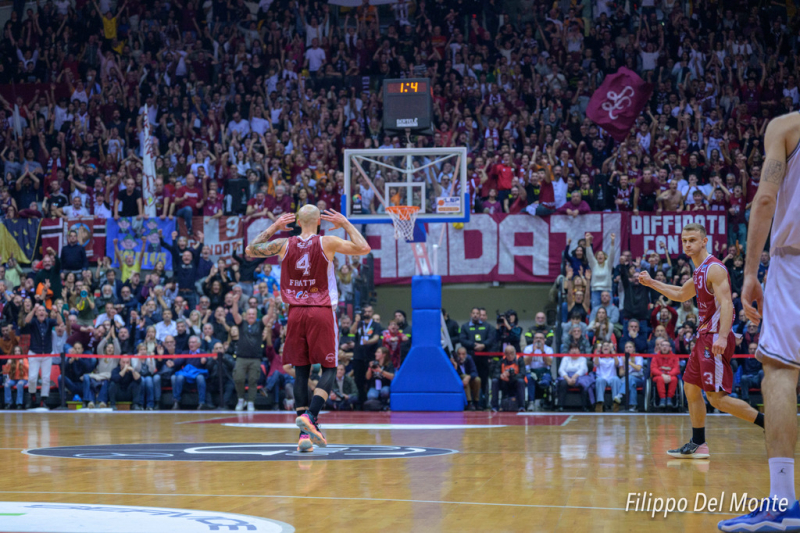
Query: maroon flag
[(617, 103)]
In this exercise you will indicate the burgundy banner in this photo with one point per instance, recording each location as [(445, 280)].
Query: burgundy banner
[(91, 234), (505, 248), (648, 231), (522, 248)]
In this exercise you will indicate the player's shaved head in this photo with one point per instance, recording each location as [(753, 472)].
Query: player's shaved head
[(308, 216)]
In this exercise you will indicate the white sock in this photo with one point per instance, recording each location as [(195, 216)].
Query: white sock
[(781, 479)]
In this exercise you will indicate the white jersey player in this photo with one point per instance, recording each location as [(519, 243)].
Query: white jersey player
[(779, 345)]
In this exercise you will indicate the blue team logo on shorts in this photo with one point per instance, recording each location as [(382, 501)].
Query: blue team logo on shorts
[(707, 354)]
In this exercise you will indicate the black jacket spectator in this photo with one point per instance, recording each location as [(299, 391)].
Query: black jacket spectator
[(640, 342), (473, 333), (637, 298), (77, 368), (73, 257), (41, 332), (247, 267), (123, 381)]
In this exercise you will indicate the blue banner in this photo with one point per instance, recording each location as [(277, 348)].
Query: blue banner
[(133, 234)]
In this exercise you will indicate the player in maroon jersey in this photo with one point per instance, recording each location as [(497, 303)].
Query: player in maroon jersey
[(709, 366), (308, 287)]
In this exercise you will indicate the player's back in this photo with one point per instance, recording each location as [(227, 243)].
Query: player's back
[(707, 304), (786, 224), (307, 276)]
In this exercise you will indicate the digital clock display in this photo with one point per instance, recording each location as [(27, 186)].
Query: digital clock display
[(407, 87)]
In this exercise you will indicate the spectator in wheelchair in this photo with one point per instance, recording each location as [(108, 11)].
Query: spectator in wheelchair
[(665, 368), (540, 379)]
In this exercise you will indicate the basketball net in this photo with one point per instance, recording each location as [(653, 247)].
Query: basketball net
[(404, 217)]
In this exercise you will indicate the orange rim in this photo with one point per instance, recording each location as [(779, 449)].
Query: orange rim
[(403, 212)]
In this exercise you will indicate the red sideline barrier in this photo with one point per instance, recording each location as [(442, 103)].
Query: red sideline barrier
[(90, 356), (648, 355)]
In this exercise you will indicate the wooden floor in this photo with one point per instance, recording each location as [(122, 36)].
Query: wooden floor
[(509, 472)]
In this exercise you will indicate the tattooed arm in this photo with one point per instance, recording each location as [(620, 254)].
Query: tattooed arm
[(266, 249), (780, 132), (259, 247)]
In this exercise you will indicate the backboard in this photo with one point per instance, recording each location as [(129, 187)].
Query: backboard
[(433, 179)]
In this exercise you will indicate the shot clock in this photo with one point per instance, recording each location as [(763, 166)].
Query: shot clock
[(407, 104)]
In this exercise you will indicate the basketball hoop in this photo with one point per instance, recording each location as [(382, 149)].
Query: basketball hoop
[(403, 218)]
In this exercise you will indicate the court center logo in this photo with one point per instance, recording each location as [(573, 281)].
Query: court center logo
[(30, 517), (235, 452)]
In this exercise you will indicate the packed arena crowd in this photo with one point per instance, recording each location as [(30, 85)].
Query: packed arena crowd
[(252, 107)]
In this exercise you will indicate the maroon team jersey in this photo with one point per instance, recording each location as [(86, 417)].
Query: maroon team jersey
[(307, 277), (707, 306)]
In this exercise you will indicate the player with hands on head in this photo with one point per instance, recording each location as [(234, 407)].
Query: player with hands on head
[(308, 287)]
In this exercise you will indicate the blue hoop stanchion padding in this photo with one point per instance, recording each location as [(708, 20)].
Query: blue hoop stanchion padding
[(427, 380), (420, 235)]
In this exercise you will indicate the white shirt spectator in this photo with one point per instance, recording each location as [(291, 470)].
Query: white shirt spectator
[(62, 6), (401, 13), (275, 115), (794, 93), (607, 367), (103, 317), (206, 164), (162, 330), (152, 114), (71, 212), (259, 125), (243, 127), (560, 192), (649, 60), (688, 192), (537, 362), (575, 365), (80, 96), (61, 116), (102, 211), (314, 33), (26, 62), (316, 57), (638, 361)]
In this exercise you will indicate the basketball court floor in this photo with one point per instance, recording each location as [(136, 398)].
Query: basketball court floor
[(224, 471)]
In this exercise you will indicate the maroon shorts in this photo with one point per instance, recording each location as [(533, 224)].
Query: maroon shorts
[(710, 373), (312, 337)]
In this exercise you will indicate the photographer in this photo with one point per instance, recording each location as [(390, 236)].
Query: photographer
[(508, 330), (510, 381), (367, 332), (380, 375)]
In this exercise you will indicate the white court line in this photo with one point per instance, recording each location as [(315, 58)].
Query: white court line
[(370, 427), (336, 498)]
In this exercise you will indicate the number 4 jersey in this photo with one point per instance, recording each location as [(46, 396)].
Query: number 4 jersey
[(307, 276)]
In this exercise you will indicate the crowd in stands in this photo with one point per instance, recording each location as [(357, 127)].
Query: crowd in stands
[(619, 316), (252, 107)]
